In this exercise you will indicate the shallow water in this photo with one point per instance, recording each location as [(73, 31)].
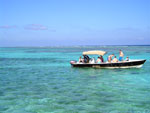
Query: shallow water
[(41, 80)]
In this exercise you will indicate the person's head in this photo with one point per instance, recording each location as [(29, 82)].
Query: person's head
[(113, 54), (127, 57), (115, 57), (80, 57)]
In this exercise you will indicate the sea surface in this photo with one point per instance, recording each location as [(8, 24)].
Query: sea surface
[(41, 80)]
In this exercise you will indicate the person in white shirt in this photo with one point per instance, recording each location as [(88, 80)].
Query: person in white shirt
[(127, 59), (115, 59), (98, 60)]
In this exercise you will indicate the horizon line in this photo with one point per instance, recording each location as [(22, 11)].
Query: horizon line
[(73, 45)]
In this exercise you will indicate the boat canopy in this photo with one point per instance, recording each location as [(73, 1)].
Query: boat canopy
[(95, 52)]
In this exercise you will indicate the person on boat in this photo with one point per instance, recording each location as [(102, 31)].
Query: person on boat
[(127, 59), (102, 59), (80, 60), (115, 59), (121, 55), (86, 58), (92, 60), (110, 57), (98, 60)]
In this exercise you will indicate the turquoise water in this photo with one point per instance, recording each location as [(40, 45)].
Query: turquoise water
[(41, 80)]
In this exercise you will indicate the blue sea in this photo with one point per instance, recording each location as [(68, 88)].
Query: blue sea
[(41, 80)]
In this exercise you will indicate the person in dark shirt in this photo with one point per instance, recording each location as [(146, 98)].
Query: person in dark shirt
[(101, 57), (86, 58)]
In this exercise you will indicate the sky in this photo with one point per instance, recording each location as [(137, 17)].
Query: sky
[(74, 22)]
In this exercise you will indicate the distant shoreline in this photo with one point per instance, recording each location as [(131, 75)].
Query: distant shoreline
[(66, 46)]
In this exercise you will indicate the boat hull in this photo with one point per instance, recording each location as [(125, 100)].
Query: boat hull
[(124, 64)]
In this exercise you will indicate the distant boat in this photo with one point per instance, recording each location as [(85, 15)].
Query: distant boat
[(120, 64)]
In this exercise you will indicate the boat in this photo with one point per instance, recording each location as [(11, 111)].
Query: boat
[(132, 63)]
